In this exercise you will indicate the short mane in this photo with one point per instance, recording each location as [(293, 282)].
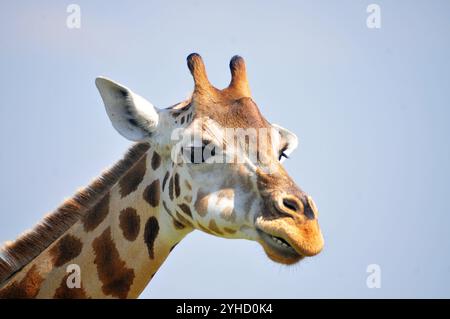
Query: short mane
[(15, 255)]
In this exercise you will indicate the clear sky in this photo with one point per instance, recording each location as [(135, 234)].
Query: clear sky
[(371, 108)]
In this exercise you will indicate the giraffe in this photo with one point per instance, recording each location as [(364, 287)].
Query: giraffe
[(121, 227)]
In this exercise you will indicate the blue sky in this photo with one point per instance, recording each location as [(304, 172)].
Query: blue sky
[(370, 107)]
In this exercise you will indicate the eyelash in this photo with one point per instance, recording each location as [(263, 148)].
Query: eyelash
[(193, 151), (283, 154)]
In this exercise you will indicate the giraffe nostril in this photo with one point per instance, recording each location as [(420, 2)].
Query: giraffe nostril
[(309, 211), (300, 206)]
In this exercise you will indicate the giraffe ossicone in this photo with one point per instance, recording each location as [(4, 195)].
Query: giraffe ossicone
[(211, 163)]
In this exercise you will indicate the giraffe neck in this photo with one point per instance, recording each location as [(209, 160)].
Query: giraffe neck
[(115, 248)]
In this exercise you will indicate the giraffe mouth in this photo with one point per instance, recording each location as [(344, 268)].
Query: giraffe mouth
[(278, 249)]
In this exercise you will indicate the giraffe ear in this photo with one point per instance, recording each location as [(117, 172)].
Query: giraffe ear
[(131, 115)]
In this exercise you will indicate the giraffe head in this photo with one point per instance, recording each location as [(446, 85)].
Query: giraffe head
[(221, 163)]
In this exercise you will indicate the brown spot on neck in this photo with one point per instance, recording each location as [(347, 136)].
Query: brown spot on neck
[(130, 223), (177, 224), (156, 161), (171, 188), (116, 278), (201, 203), (130, 182), (177, 185), (150, 233), (97, 214), (64, 292), (66, 249), (185, 209), (28, 287), (183, 220), (165, 181), (152, 193)]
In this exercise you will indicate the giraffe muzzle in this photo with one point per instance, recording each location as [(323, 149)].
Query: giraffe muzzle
[(289, 231)]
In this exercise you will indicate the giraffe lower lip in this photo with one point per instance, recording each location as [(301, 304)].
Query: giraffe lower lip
[(279, 245)]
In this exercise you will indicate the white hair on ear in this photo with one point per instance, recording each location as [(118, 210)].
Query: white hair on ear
[(131, 115)]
